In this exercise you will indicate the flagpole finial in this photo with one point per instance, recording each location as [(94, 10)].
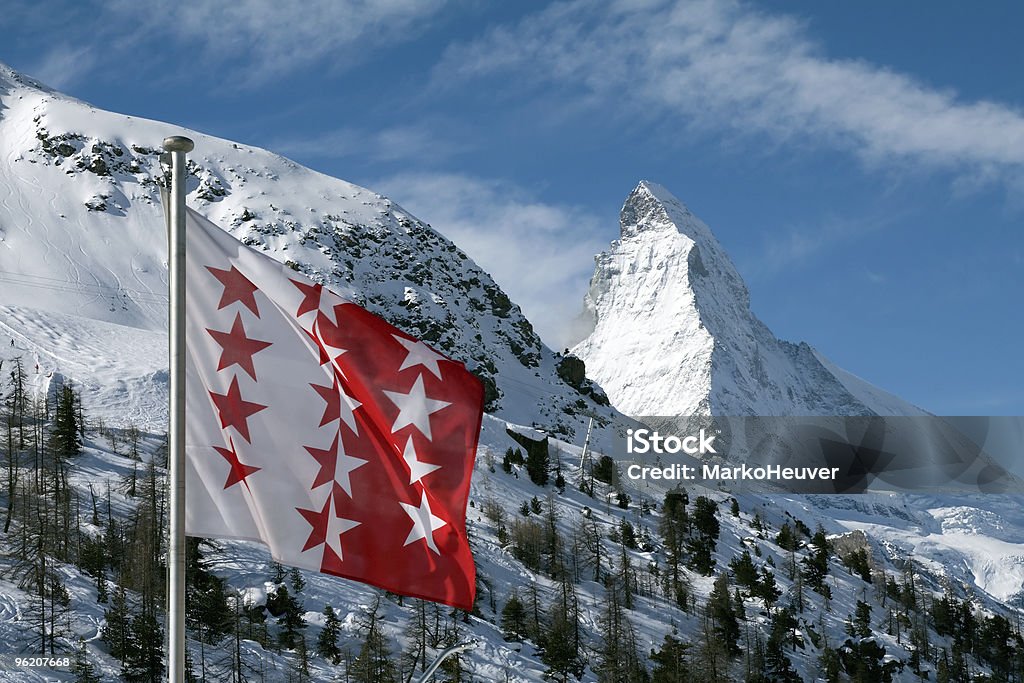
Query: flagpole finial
[(178, 143)]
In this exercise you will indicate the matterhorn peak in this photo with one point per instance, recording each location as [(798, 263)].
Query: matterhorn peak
[(650, 207), (670, 330)]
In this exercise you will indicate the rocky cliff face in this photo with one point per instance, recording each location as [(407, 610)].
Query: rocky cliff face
[(671, 331)]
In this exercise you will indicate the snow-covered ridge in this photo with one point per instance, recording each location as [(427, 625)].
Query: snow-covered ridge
[(82, 234), (672, 333)]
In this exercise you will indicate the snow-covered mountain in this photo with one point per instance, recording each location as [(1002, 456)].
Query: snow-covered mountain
[(82, 234), (82, 287), (670, 330)]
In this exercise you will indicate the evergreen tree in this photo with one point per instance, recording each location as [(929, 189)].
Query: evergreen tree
[(860, 622), (786, 539), (722, 612), (289, 616), (513, 619), (816, 564), (777, 666), (829, 663), (859, 563), (670, 665), (864, 661), (144, 660), (327, 641), (65, 439), (116, 629), (206, 598), (744, 570), (295, 578), (673, 528), (604, 470), (766, 588), (704, 535), (537, 465), (82, 666)]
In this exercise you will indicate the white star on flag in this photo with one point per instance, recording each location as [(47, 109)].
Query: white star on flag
[(343, 465), (415, 408), (336, 526), (348, 410), (417, 468), (424, 523), (419, 354), (335, 353), (325, 302)]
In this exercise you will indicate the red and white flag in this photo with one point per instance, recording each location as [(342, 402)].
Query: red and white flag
[(317, 428)]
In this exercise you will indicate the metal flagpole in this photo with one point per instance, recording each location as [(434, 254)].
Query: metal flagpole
[(178, 147), (428, 675)]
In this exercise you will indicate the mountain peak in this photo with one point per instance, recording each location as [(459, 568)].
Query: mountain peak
[(671, 331), (12, 77), (652, 208)]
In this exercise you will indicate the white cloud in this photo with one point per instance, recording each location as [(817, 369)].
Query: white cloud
[(726, 66), (398, 143), (63, 65), (798, 244), (258, 40), (540, 253)]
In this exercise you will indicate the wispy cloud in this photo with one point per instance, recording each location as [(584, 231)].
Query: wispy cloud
[(540, 253), (875, 277), (63, 65), (272, 37), (725, 65), (398, 143), (239, 45), (796, 245)]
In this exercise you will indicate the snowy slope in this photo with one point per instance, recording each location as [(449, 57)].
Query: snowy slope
[(671, 331)]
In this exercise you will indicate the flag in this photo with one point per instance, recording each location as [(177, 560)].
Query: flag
[(320, 430)]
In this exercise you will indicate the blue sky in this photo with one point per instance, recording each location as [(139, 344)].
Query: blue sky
[(863, 163)]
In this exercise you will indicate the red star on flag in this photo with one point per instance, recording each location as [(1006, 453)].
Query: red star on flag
[(237, 287), (238, 471), (234, 411), (238, 348), (339, 404), (311, 297), (328, 526), (335, 465)]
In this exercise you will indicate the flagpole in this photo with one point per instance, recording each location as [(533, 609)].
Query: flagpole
[(178, 147), (428, 675)]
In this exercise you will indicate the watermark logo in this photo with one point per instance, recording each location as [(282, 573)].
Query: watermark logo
[(643, 441)]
